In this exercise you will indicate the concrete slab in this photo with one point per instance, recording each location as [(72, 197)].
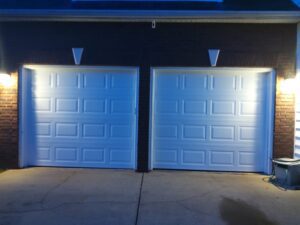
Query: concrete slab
[(173, 197), (68, 196), (55, 196)]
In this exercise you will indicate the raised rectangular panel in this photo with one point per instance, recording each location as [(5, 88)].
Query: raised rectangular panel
[(43, 153), (94, 80), (247, 158), (120, 155), (166, 131), (167, 81), (43, 129), (222, 158), (94, 106), (297, 133), (297, 116), (66, 129), (195, 82), (66, 105), (223, 108), (93, 155), (167, 107), (248, 133), (222, 133), (297, 125), (66, 154), (121, 131), (121, 106), (251, 83), (68, 80), (224, 82), (166, 155), (42, 81), (42, 104), (250, 108), (93, 130), (122, 81), (193, 157), (297, 141), (195, 107), (194, 131)]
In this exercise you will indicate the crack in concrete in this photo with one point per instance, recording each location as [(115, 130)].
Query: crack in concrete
[(44, 198), (140, 198), (66, 204)]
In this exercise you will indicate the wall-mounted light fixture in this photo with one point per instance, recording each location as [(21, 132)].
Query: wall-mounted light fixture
[(5, 79)]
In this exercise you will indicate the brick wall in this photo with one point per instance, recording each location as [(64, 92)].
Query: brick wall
[(284, 122), (9, 124), (137, 44)]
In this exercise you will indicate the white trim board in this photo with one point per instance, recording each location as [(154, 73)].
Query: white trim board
[(176, 16), (297, 99), (270, 95)]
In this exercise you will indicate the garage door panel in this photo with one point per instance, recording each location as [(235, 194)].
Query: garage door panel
[(218, 126), (85, 156), (83, 117), (93, 155), (221, 83), (223, 108), (42, 104), (166, 131), (195, 82), (197, 107), (43, 129), (166, 156), (93, 80), (201, 158), (68, 105), (68, 80), (219, 133), (94, 106), (198, 132), (194, 157)]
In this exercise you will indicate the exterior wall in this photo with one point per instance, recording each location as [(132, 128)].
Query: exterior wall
[(9, 125), (284, 123), (137, 44)]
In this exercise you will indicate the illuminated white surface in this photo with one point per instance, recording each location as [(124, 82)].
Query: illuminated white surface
[(5, 79), (288, 86)]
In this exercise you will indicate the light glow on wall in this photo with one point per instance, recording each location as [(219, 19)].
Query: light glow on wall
[(288, 86), (5, 80)]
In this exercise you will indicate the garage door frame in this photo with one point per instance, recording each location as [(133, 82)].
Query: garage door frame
[(23, 84), (270, 108)]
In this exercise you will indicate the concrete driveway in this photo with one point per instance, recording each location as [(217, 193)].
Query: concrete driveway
[(55, 196)]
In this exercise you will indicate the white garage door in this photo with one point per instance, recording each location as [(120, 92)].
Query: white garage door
[(79, 116), (211, 119)]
